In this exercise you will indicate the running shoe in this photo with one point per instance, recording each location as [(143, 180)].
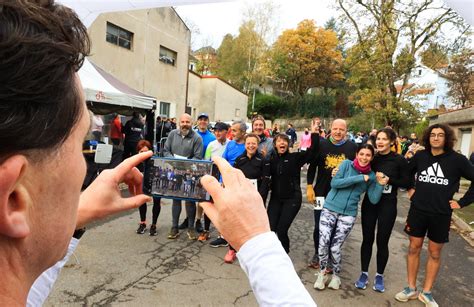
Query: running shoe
[(335, 282), (321, 280), (153, 230), (174, 233), (204, 236), (141, 228), (427, 298), (184, 224), (199, 228), (230, 256), (362, 282), (379, 285), (192, 234), (219, 242), (406, 295)]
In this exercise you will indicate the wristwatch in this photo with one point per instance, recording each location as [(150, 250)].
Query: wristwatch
[(78, 233)]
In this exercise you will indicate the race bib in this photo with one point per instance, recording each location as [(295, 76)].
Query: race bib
[(387, 189), (318, 205), (254, 182)]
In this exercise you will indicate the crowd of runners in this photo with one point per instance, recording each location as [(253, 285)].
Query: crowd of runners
[(341, 168)]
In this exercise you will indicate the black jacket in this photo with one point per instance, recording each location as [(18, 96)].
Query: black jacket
[(133, 130), (437, 179), (285, 170), (395, 167), (256, 167)]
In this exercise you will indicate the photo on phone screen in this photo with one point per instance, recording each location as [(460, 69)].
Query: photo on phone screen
[(179, 178)]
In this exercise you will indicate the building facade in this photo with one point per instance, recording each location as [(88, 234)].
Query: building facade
[(462, 122), (148, 50)]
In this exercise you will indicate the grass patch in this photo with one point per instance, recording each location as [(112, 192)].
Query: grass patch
[(467, 214)]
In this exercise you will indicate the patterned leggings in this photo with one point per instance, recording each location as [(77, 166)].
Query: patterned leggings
[(343, 224)]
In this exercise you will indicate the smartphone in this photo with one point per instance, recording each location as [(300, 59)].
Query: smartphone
[(178, 178)]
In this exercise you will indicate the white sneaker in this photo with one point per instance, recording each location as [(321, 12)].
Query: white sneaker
[(335, 282), (320, 281)]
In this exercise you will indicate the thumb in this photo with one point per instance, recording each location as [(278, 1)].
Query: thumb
[(211, 211)]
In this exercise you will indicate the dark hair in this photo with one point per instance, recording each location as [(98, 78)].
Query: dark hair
[(392, 136), (449, 138), (281, 136), (366, 146), (42, 46), (143, 143)]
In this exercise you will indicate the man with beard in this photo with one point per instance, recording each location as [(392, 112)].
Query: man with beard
[(183, 143), (332, 152)]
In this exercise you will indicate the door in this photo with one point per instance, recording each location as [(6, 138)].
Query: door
[(466, 142)]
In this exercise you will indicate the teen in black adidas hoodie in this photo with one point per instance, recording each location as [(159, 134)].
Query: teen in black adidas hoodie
[(438, 170)]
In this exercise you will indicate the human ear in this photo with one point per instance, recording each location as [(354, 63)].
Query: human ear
[(13, 198)]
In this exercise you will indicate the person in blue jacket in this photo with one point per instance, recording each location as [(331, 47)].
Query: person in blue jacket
[(340, 209)]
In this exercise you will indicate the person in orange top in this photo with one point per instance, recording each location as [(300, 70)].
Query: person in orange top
[(116, 130)]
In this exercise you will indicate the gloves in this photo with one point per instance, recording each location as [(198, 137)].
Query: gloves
[(310, 193)]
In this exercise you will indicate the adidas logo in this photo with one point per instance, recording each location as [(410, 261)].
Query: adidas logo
[(433, 174)]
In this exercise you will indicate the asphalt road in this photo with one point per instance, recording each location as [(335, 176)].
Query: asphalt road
[(115, 266)]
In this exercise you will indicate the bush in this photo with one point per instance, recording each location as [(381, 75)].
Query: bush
[(269, 106)]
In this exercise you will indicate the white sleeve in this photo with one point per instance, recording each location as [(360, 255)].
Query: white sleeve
[(44, 283), (271, 273)]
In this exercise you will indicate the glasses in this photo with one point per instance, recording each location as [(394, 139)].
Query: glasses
[(439, 135)]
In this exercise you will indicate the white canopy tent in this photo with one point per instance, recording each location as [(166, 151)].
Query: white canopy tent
[(100, 86)]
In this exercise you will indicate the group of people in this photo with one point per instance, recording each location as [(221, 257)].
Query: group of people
[(43, 125)]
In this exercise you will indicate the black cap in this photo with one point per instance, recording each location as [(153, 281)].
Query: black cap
[(221, 126)]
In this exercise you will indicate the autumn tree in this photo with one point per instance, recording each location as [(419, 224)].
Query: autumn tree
[(434, 56), (240, 59), (306, 57), (461, 78), (385, 49)]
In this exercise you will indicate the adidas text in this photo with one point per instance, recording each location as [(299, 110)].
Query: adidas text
[(433, 179)]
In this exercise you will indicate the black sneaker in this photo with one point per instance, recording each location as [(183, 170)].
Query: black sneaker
[(141, 228), (199, 228), (184, 224), (153, 230), (174, 233), (219, 242)]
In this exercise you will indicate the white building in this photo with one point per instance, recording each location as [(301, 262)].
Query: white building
[(427, 88)]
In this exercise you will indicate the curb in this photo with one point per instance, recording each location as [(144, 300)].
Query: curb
[(464, 229)]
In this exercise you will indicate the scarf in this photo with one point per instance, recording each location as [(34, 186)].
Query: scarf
[(361, 169), (340, 143)]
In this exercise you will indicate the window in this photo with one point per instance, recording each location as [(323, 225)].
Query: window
[(118, 36), (419, 72), (168, 56), (165, 108), (237, 112)]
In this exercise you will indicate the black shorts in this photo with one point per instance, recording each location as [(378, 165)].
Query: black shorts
[(419, 223)]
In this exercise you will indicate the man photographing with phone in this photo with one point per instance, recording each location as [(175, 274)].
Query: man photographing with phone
[(43, 122)]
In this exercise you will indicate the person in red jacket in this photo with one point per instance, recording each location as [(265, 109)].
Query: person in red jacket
[(116, 130)]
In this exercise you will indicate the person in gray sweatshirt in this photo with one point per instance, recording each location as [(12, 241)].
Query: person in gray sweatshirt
[(183, 143)]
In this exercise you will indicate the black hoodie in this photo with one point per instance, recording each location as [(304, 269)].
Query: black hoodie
[(133, 130), (437, 179)]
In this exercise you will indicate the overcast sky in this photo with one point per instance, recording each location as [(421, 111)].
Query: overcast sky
[(215, 20)]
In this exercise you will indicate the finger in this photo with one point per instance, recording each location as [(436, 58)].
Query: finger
[(128, 164), (212, 186), (135, 201), (227, 171), (211, 212)]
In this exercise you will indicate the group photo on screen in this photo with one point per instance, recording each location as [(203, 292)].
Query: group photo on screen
[(176, 178)]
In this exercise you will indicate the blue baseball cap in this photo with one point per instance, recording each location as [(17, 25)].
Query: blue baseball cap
[(203, 115)]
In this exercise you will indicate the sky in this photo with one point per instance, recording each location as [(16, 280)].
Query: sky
[(215, 20)]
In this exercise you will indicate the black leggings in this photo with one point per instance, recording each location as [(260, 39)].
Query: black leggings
[(383, 215), (156, 210), (281, 213)]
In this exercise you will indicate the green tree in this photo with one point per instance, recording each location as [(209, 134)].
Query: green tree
[(461, 78), (435, 57)]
